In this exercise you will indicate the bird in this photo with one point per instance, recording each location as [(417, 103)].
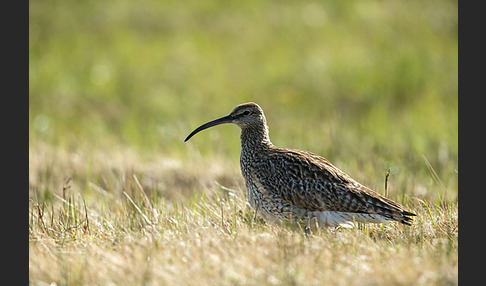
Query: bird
[(293, 186)]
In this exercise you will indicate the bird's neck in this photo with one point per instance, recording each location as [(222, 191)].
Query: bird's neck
[(255, 137)]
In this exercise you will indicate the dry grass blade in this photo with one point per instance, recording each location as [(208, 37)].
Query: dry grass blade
[(436, 177), (147, 220), (386, 183), (140, 188)]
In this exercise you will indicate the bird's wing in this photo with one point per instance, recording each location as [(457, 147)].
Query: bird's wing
[(312, 182)]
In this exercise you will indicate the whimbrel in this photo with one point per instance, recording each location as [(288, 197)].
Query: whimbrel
[(299, 186)]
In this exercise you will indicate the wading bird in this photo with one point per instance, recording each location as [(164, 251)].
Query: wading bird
[(289, 185)]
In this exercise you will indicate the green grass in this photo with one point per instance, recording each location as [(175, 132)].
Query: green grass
[(114, 88)]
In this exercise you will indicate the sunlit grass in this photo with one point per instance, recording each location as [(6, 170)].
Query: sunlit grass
[(159, 221)]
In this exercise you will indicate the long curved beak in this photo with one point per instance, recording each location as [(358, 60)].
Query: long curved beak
[(222, 120)]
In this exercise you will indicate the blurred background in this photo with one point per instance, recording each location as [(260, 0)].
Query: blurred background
[(362, 83)]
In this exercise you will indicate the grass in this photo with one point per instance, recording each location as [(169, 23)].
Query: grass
[(116, 197), (137, 224)]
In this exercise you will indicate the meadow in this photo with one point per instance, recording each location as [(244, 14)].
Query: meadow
[(117, 198)]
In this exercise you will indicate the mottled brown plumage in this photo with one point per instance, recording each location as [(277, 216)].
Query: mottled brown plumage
[(293, 185)]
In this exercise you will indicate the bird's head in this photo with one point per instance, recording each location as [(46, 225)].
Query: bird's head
[(243, 115)]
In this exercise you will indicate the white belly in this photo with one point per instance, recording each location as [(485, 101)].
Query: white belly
[(346, 219)]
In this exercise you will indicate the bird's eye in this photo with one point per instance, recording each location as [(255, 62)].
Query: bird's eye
[(246, 112)]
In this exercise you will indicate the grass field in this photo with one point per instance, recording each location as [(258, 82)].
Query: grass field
[(117, 198)]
